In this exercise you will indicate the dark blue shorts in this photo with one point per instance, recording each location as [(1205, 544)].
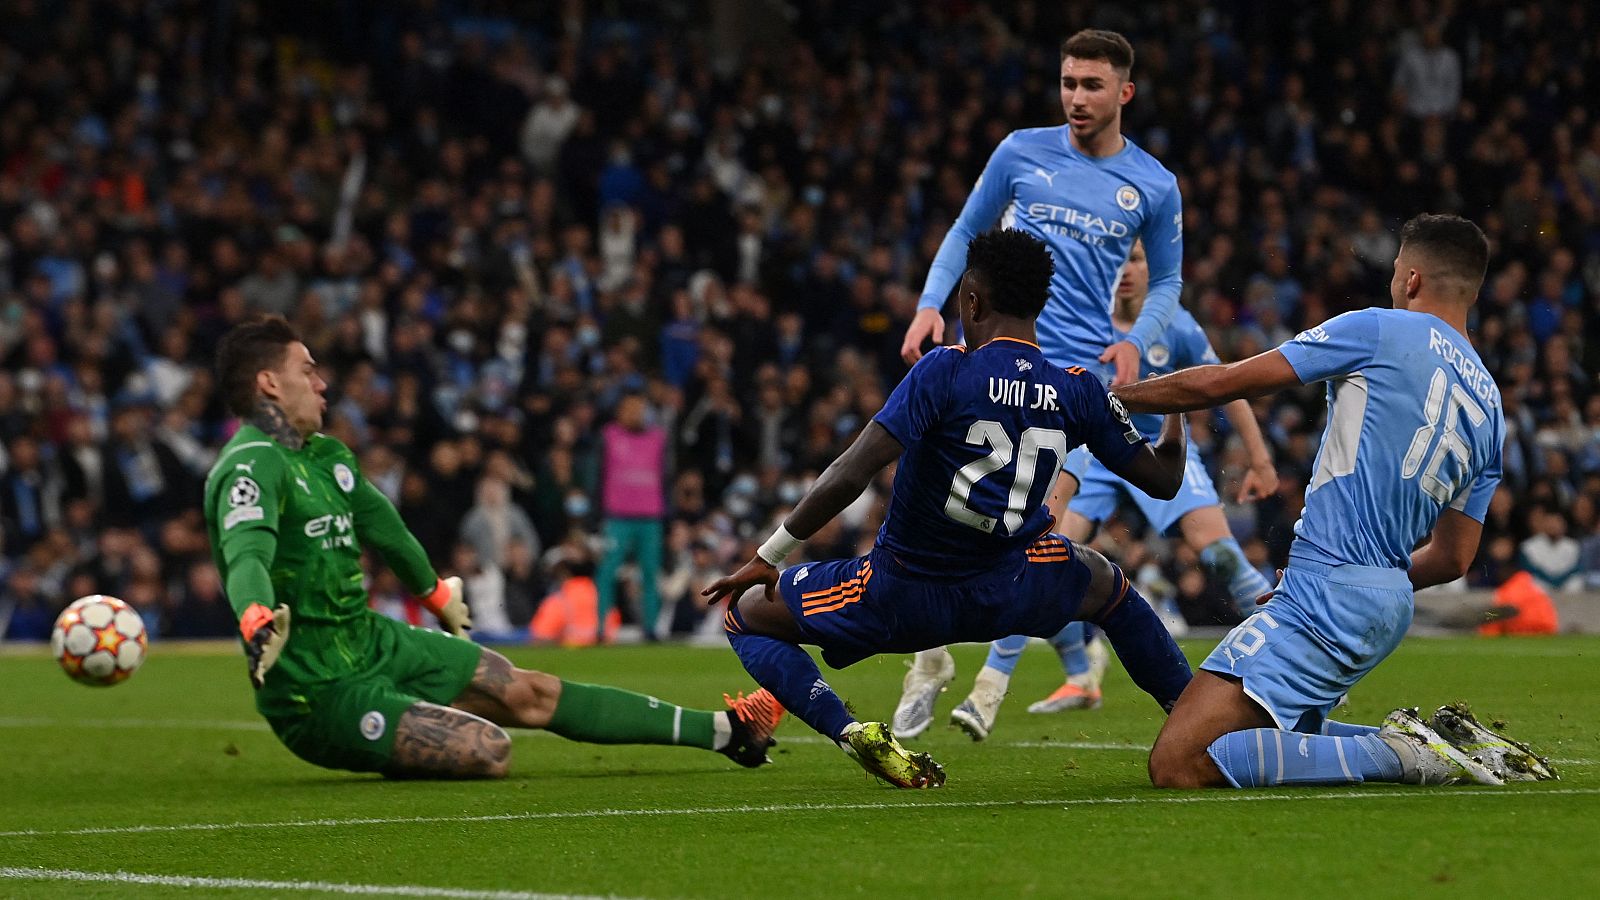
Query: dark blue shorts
[(856, 608)]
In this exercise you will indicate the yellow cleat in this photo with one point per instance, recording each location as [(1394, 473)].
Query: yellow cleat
[(875, 748)]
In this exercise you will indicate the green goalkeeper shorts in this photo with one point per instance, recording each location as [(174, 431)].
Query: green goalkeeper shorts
[(349, 721)]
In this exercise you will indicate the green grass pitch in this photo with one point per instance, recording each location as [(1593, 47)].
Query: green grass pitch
[(173, 776)]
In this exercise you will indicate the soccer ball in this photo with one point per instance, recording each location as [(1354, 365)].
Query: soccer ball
[(99, 640)]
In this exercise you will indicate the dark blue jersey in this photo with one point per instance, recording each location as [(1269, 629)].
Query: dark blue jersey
[(985, 432)]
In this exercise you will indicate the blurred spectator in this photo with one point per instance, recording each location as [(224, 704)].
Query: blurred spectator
[(633, 495), (570, 615), (1550, 554), (1428, 79), (490, 241), (495, 524)]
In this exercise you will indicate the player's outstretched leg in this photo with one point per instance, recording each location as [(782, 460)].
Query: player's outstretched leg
[(766, 639), (1144, 646), (976, 714), (597, 714), (930, 671)]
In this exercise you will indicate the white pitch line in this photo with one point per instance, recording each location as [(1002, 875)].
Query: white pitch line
[(1220, 797), (28, 873), (802, 739)]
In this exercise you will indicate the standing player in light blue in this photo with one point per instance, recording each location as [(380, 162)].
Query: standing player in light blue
[(1410, 453), (965, 551), (1088, 192), (1195, 513)]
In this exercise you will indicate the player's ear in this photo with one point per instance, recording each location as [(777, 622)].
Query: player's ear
[(1126, 93), (976, 307), (1413, 283), (267, 384)]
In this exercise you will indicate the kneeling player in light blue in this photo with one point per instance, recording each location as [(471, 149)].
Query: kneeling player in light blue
[(1411, 451), (965, 551), (1195, 513)]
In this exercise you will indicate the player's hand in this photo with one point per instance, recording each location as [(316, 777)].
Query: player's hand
[(1262, 600), (1124, 355), (265, 631), (450, 606), (756, 571), (928, 323), (1260, 481)]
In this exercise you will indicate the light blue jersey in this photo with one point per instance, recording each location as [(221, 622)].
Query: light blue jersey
[(1181, 345), (1089, 210), (1414, 425)]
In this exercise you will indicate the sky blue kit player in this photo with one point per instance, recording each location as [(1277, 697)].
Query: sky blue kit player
[(1182, 345), (965, 551), (1411, 448), (1089, 210)]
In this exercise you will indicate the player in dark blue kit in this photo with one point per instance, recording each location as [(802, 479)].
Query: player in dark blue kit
[(965, 552)]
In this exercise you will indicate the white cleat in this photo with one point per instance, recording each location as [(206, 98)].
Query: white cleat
[(976, 714), (1426, 757), (920, 689), (1510, 759)]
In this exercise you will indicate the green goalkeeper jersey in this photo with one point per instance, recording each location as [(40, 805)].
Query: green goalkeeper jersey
[(287, 526)]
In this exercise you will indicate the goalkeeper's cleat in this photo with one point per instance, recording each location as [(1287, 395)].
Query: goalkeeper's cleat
[(1426, 757), (1068, 696), (1511, 760), (752, 719), (920, 689), (873, 745)]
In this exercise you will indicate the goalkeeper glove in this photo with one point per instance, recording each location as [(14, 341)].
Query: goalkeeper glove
[(265, 632), (448, 603)]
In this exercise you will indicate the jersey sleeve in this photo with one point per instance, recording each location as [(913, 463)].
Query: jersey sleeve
[(246, 500), (378, 524), (1192, 347), (1163, 249), (988, 200), (919, 400), (1473, 499), (1102, 421), (1339, 346)]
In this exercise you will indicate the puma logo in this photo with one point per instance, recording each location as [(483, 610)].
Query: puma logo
[(249, 467), (1049, 178)]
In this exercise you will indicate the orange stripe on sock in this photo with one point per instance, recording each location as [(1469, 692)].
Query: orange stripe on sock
[(1121, 596)]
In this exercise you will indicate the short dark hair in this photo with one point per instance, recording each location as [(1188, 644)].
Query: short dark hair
[(1097, 43), (1015, 268), (1451, 241), (250, 347)]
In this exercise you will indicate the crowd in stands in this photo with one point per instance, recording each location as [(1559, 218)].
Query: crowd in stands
[(497, 235)]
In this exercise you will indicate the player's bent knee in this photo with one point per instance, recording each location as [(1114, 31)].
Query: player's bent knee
[(1103, 579)]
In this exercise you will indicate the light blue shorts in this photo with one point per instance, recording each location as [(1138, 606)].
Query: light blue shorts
[(1326, 628), (1099, 490)]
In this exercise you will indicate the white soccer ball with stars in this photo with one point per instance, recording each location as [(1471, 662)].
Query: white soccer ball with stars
[(99, 640)]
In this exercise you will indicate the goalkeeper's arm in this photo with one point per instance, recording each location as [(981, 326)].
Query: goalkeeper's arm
[(379, 525), (249, 591)]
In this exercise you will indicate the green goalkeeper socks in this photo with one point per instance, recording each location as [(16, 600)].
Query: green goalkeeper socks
[(597, 714)]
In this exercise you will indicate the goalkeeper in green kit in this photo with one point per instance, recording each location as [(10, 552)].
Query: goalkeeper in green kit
[(287, 512)]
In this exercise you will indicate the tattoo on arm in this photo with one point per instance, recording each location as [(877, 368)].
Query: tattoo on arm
[(270, 417), (433, 741)]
